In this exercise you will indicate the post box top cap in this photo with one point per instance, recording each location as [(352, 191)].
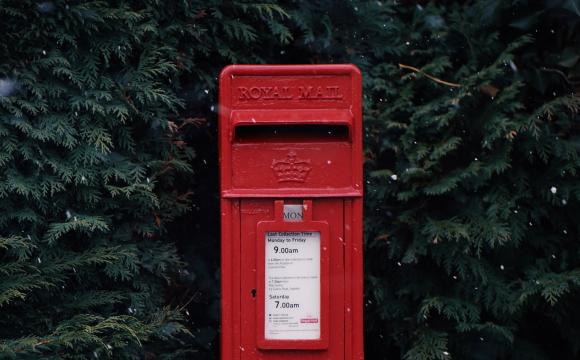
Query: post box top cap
[(324, 69)]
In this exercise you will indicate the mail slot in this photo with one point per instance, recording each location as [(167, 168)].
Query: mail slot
[(291, 223)]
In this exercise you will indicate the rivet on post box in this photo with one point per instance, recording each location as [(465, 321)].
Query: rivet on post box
[(290, 142)]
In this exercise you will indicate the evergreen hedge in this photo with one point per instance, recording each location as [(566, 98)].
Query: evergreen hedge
[(94, 166), (108, 171)]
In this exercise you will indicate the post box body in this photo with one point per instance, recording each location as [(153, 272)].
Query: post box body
[(291, 200)]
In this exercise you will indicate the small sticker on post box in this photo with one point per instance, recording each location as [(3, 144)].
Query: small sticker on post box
[(292, 291)]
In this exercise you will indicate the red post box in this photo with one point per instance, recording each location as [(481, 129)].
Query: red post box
[(291, 200)]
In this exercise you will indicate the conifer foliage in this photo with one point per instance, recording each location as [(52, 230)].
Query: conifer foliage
[(94, 166), (472, 183)]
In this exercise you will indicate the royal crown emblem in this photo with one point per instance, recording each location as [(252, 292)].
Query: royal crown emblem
[(291, 169)]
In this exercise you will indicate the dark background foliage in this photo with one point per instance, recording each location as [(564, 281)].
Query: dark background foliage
[(471, 168)]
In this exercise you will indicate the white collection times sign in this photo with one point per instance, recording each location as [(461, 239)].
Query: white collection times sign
[(292, 285)]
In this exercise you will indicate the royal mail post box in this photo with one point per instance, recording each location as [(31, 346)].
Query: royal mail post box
[(291, 200)]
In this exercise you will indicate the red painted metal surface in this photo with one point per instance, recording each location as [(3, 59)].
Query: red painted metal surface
[(291, 134)]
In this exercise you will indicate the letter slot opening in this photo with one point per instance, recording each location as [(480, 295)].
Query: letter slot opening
[(291, 132)]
